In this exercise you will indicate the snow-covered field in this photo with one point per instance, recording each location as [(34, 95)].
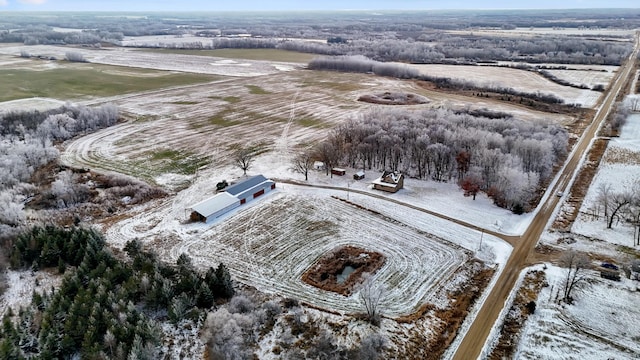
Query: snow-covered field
[(39, 104), (603, 323), (520, 80), (172, 62), (584, 77)]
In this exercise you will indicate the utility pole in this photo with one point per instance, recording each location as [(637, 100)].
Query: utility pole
[(481, 235)]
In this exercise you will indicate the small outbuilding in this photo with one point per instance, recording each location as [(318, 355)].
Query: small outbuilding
[(214, 207), (338, 171), (318, 165), (390, 181), (359, 175)]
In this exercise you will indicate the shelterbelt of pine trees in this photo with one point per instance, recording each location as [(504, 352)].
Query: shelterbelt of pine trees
[(106, 307)]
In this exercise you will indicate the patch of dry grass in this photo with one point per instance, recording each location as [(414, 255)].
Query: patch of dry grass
[(580, 187), (622, 156), (534, 281)]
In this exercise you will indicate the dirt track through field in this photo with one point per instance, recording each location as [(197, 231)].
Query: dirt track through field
[(474, 340)]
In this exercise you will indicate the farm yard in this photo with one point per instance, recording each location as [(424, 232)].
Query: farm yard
[(272, 243)]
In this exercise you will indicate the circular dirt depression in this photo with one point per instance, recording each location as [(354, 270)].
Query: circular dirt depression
[(341, 269)]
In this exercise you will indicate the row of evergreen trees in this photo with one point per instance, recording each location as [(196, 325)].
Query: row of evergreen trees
[(105, 307)]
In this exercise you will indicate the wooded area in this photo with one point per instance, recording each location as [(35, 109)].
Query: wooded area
[(505, 157)]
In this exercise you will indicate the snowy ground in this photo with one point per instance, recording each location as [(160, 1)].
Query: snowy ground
[(584, 77), (39, 104), (603, 323), (21, 287), (621, 169)]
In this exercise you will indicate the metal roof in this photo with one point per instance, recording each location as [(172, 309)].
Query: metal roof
[(214, 204), (245, 185)]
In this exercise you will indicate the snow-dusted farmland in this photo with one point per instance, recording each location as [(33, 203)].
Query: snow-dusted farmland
[(165, 61), (520, 80), (603, 323)]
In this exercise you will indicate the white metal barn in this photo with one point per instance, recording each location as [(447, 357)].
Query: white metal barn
[(233, 196)]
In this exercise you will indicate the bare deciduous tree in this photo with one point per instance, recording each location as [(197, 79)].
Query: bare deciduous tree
[(302, 163), (243, 158), (576, 264), (618, 202), (328, 154), (371, 294)]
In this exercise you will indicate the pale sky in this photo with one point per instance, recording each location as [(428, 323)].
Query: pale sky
[(298, 5)]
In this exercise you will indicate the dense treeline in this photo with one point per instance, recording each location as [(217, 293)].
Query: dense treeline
[(43, 35), (441, 49), (445, 48), (105, 308), (362, 64), (504, 157)]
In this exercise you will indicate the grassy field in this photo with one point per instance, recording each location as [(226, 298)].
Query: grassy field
[(249, 54), (74, 81)]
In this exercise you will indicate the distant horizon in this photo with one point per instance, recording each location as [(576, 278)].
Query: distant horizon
[(297, 6)]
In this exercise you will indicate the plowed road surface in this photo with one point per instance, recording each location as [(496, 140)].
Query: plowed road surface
[(474, 340)]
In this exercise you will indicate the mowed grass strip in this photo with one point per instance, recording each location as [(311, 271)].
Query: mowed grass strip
[(246, 54), (257, 90), (86, 81), (173, 161)]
